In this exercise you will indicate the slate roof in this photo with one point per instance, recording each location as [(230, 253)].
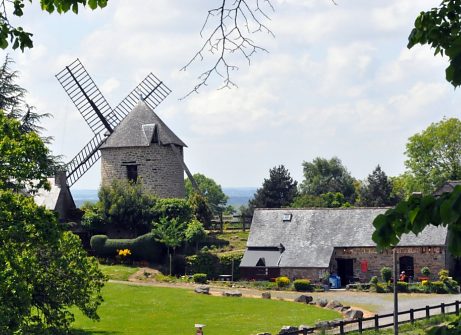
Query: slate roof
[(312, 234), (138, 129), (447, 187)]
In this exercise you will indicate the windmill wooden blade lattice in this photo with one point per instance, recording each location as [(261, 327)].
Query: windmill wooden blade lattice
[(86, 96), (151, 89)]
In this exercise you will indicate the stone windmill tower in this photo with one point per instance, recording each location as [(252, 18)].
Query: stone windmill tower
[(143, 146), (132, 140)]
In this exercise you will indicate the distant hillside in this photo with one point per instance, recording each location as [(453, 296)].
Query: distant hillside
[(237, 195)]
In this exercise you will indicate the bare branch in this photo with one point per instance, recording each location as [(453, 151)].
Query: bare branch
[(236, 21)]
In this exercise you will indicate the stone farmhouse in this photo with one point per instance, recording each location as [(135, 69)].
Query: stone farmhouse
[(142, 146), (311, 243)]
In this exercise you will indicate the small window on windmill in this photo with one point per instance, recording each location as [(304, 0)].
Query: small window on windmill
[(132, 172), (261, 262), (287, 217)]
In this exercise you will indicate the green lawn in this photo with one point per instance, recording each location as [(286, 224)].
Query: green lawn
[(173, 311), (118, 272)]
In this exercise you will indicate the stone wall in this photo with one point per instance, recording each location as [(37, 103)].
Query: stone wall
[(160, 170), (432, 257)]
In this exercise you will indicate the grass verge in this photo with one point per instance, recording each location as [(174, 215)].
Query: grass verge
[(118, 272), (142, 310)]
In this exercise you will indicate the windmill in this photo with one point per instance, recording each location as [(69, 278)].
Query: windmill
[(101, 118)]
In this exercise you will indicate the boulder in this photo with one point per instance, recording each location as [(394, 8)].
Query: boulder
[(322, 324), (266, 295), (202, 289), (302, 327), (305, 299), (354, 314), (288, 329), (334, 304), (232, 293), (344, 309), (322, 302)]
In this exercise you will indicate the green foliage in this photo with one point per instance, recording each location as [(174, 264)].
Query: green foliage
[(195, 233), (43, 270), (440, 28), (122, 204), (414, 214), (425, 271), (200, 278), (386, 274), (25, 161), (212, 191), (144, 247), (18, 37), (303, 285), (334, 200), (323, 176), (443, 275), (282, 282), (434, 155), (307, 201), (377, 190), (382, 288), (178, 209), (277, 191), (170, 232), (374, 280), (200, 208), (437, 287), (402, 286)]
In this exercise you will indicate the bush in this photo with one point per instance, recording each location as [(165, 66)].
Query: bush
[(437, 287), (443, 275), (172, 209), (199, 278), (386, 274), (451, 286), (303, 285), (282, 282), (212, 265), (425, 271), (382, 288), (402, 286), (374, 280), (144, 247)]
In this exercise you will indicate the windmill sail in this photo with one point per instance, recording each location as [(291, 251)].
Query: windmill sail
[(151, 89), (84, 159), (86, 96)]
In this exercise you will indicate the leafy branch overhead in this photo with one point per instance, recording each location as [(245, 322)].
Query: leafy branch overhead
[(418, 212), (228, 30), (441, 28), (17, 36)]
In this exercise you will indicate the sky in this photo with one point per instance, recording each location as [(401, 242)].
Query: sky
[(338, 80)]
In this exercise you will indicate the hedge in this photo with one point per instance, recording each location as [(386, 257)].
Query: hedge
[(143, 247)]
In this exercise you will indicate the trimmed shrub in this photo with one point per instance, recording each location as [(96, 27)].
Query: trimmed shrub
[(451, 286), (374, 280), (437, 287), (303, 285), (282, 282), (443, 275), (144, 247), (199, 278), (382, 288), (212, 265), (386, 274), (425, 271), (402, 286)]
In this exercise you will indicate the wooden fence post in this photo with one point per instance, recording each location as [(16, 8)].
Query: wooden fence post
[(412, 316), (442, 308), (360, 325), (341, 327), (376, 322), (427, 312), (457, 307)]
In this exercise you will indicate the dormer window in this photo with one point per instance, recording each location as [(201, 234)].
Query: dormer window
[(287, 217), (261, 262)]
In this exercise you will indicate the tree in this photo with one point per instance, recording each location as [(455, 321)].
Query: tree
[(23, 39), (307, 201), (323, 176), (25, 161), (170, 232), (200, 208), (43, 270), (440, 27), (377, 190), (210, 190), (434, 155), (195, 233), (277, 191)]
